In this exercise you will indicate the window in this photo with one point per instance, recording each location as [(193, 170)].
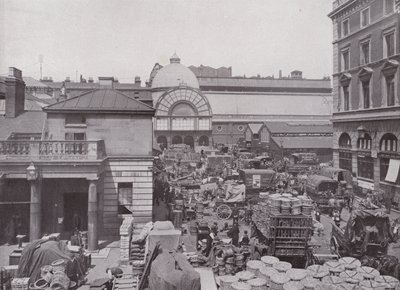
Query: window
[(365, 16), (345, 161), (204, 124), (125, 197), (75, 147), (184, 124), (75, 119), (390, 90), (219, 128), (75, 136), (365, 52), (388, 143), (389, 6), (365, 92), (345, 141), (240, 128), (365, 167), (256, 136), (162, 124), (384, 167), (345, 27), (345, 59), (364, 143), (346, 98), (389, 44)]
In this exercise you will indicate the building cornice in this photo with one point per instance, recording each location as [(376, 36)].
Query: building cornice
[(374, 114)]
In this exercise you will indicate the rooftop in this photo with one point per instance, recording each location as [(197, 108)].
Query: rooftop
[(30, 122), (284, 127)]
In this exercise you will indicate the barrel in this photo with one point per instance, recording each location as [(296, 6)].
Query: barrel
[(269, 261), (306, 209), (226, 281), (282, 267), (266, 273), (245, 275), (258, 284), (254, 266), (278, 280), (240, 286), (60, 281)]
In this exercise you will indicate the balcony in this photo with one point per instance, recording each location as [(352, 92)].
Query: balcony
[(51, 150)]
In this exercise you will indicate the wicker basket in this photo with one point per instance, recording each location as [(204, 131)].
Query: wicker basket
[(20, 284)]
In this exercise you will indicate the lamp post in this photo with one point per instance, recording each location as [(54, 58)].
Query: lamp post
[(32, 175)]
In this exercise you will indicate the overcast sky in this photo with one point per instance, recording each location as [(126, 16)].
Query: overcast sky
[(126, 38)]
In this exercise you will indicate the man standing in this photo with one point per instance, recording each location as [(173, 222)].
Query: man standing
[(233, 233)]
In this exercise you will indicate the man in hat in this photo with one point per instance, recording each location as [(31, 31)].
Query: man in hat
[(233, 233)]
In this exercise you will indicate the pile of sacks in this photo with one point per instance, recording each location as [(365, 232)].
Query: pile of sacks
[(270, 273)]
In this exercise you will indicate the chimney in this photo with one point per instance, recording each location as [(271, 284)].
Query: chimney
[(67, 79), (138, 82), (106, 82), (15, 93), (90, 80)]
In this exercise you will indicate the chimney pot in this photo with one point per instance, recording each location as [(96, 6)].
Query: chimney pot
[(14, 72), (138, 81)]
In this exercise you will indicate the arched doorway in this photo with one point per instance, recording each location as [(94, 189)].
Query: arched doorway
[(162, 142), (203, 141), (189, 141), (177, 140)]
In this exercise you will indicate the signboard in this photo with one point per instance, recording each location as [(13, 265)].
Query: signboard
[(256, 181), (366, 184)]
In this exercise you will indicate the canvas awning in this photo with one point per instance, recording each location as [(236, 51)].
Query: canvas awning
[(393, 170)]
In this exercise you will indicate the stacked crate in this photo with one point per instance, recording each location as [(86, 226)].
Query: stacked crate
[(124, 232)]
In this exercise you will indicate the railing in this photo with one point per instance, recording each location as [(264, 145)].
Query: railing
[(52, 150)]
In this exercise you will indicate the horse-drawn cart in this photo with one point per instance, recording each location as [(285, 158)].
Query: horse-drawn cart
[(235, 197)]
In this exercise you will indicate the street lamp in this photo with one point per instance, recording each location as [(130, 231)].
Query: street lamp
[(32, 172)]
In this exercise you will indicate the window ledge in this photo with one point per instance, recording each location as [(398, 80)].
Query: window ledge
[(75, 126), (389, 184)]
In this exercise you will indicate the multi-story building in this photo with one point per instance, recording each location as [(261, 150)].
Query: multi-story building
[(366, 112), (83, 162)]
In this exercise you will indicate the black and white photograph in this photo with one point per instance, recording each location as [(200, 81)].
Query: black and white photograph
[(199, 145)]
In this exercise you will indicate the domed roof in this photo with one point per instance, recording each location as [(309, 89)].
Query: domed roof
[(174, 75)]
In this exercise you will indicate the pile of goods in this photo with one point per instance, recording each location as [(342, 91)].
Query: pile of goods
[(137, 251), (270, 273)]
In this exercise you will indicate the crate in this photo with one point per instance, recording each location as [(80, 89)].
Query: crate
[(20, 284)]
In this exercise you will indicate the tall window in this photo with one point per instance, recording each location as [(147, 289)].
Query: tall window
[(345, 59), (364, 143), (346, 98), (204, 124), (183, 124), (388, 143), (345, 141), (365, 167), (125, 197), (162, 124), (365, 92), (390, 90), (365, 17), (345, 27), (365, 52), (389, 44), (389, 6), (345, 161)]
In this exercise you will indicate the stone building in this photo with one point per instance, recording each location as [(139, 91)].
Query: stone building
[(366, 111), (83, 162)]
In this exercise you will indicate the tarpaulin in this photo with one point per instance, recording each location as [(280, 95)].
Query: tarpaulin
[(172, 271)]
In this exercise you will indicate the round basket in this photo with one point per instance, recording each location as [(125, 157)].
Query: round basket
[(352, 277), (335, 268), (266, 273), (275, 201), (374, 284), (58, 265), (285, 202), (227, 280), (310, 283), (318, 271), (282, 267), (239, 257), (257, 284), (254, 266), (333, 280), (221, 271), (278, 280), (219, 261), (285, 210), (295, 201), (240, 286), (60, 281), (269, 261), (245, 275), (306, 209), (368, 273), (296, 274), (293, 285), (350, 263), (393, 282)]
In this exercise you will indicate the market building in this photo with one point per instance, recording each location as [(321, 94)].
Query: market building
[(366, 111), (83, 162)]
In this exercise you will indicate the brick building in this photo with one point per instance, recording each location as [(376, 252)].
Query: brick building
[(366, 112)]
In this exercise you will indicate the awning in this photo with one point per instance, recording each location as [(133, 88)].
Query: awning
[(393, 170)]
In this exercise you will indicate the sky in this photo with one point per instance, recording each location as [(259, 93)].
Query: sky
[(125, 38)]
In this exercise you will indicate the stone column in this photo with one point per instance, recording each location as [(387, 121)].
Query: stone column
[(35, 211), (92, 216)]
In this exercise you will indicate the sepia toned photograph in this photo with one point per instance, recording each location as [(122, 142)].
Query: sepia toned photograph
[(199, 145)]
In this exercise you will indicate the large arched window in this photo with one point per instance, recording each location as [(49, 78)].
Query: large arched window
[(345, 155), (365, 163), (388, 143), (364, 143)]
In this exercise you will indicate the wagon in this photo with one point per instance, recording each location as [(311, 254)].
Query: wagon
[(235, 195)]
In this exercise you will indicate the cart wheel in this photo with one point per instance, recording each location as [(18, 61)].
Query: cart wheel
[(224, 212)]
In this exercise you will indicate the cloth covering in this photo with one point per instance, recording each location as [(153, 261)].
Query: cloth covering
[(40, 253), (172, 271)]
